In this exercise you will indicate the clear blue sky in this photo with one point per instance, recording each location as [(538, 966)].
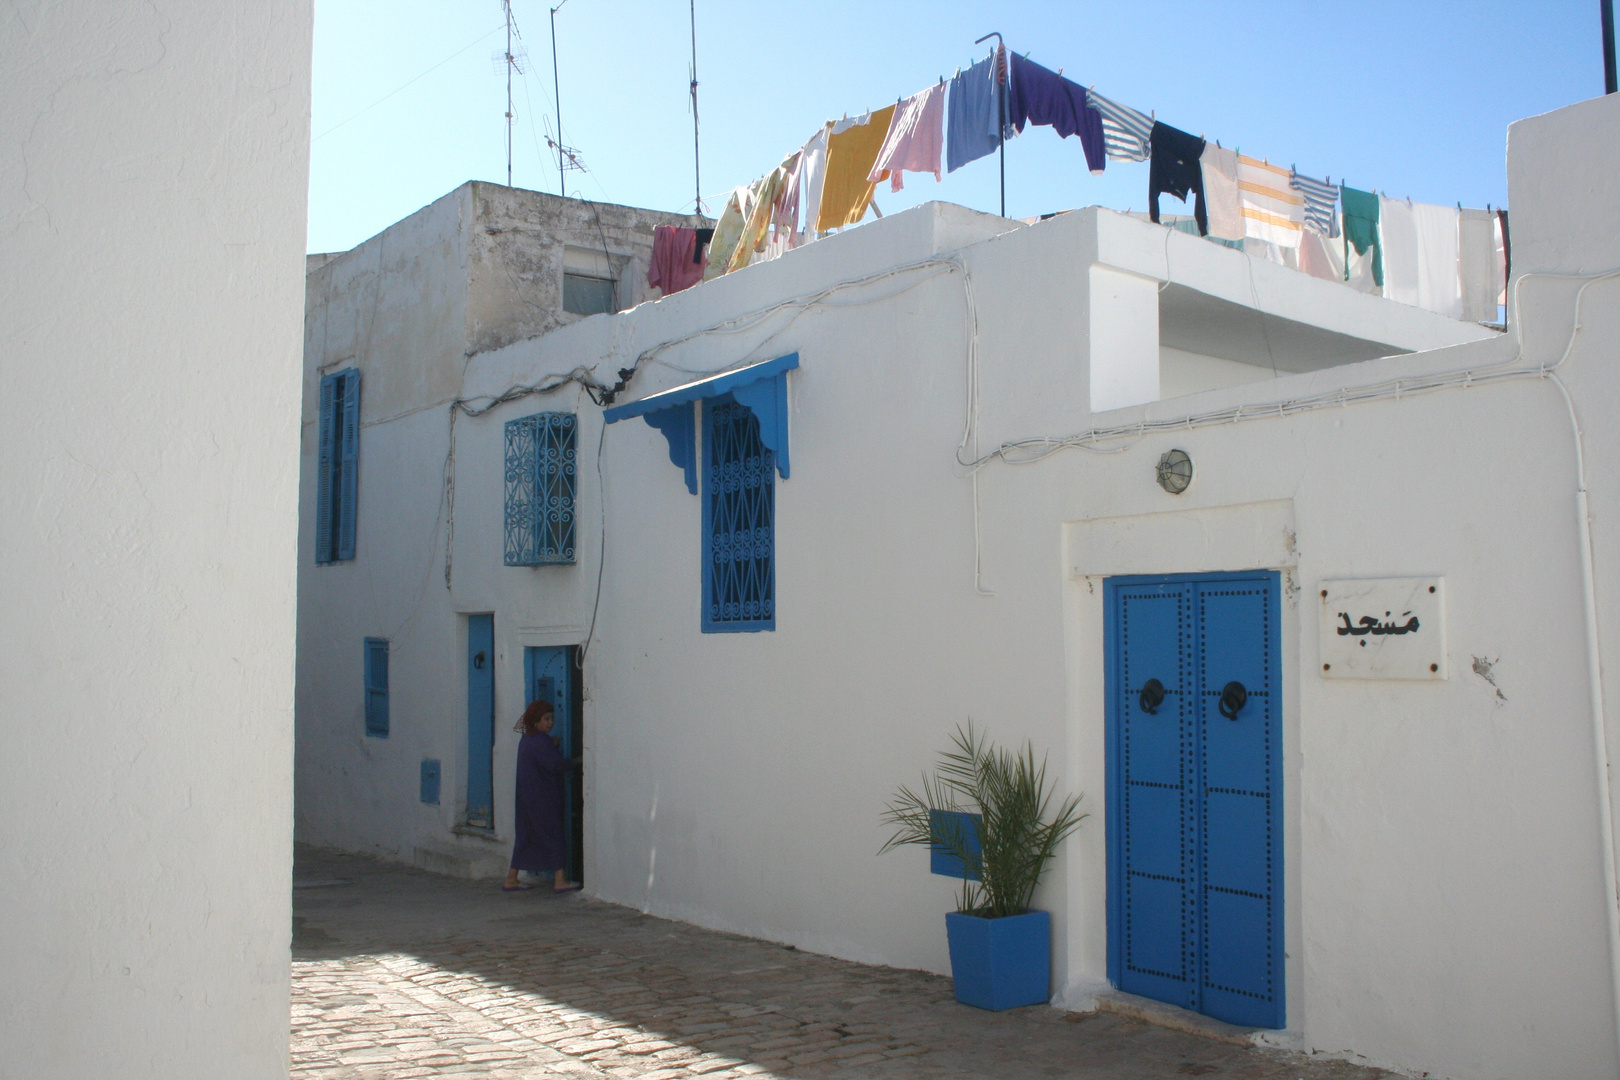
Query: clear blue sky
[(1412, 98)]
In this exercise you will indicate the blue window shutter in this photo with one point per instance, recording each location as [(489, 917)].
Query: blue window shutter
[(541, 487), (376, 687), (430, 780), (323, 469), (349, 463), (739, 517)]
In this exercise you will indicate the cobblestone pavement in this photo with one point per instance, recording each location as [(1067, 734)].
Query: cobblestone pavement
[(398, 973)]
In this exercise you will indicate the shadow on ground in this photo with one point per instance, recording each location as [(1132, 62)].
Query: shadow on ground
[(399, 973)]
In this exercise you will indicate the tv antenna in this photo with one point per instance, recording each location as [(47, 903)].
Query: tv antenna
[(697, 167), (513, 61), (565, 159)]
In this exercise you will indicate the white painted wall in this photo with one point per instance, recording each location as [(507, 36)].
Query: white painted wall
[(153, 161), (1445, 902)]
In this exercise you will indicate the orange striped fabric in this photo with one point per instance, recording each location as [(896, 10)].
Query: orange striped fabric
[(1272, 210)]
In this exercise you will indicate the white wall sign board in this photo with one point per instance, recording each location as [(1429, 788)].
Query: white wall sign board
[(1384, 628)]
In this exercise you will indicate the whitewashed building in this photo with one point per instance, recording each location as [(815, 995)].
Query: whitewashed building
[(906, 476)]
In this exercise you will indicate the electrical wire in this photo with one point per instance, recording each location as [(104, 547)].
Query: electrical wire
[(409, 82)]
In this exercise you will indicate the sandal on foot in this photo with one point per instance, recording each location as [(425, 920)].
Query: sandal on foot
[(519, 887)]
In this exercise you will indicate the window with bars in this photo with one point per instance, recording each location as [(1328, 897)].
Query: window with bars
[(739, 519), (337, 467), (540, 489)]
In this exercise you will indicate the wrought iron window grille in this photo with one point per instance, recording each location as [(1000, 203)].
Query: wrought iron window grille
[(541, 486)]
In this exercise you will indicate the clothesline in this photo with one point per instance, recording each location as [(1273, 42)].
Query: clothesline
[(1453, 261)]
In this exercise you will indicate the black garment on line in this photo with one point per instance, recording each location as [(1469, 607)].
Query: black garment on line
[(703, 238), (1174, 167)]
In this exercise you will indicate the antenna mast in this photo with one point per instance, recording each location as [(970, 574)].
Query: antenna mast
[(556, 93), (512, 60), (506, 5), (697, 167)]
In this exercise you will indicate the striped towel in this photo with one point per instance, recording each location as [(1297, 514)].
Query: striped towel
[(1125, 131), (1272, 210), (1321, 199)]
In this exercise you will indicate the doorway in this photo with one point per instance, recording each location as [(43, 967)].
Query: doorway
[(481, 721), (1194, 781), (551, 673)]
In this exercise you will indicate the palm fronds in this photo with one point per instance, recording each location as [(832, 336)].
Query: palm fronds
[(1009, 793)]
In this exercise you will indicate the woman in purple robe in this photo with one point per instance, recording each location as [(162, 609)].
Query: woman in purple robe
[(540, 846)]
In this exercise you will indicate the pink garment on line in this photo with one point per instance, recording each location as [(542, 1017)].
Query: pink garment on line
[(916, 138), (671, 267)]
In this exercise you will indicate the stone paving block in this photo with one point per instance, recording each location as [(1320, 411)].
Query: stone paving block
[(411, 976)]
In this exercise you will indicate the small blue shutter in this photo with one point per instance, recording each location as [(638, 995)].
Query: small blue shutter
[(349, 463), (430, 781), (739, 519), (323, 469), (376, 687), (541, 485), (942, 858)]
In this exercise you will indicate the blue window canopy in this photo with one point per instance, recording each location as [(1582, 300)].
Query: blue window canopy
[(761, 388)]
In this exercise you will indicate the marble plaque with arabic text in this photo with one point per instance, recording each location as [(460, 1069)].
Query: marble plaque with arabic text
[(1383, 628)]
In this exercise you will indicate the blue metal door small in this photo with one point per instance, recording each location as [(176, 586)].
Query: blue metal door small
[(481, 721), (549, 675), (1194, 793)]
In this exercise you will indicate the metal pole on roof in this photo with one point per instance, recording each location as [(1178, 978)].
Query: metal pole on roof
[(1001, 108), (556, 93), (1610, 82), (697, 167)]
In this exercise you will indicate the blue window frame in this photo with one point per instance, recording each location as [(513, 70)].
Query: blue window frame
[(739, 519), (337, 466), (376, 687), (745, 442), (541, 452)]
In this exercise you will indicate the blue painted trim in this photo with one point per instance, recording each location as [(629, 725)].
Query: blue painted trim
[(713, 386), (767, 400), (679, 425)]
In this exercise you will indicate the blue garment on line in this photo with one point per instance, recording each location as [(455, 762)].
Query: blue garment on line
[(1043, 97), (971, 126)]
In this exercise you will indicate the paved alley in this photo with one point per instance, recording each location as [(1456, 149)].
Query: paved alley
[(398, 973)]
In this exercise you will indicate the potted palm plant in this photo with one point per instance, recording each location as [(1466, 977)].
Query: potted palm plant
[(986, 809)]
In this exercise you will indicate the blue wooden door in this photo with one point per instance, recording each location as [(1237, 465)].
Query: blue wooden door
[(481, 721), (1195, 792), (549, 674)]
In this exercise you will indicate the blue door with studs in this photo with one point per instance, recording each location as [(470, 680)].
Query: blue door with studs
[(1194, 732)]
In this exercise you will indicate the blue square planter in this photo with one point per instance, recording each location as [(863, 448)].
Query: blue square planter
[(1001, 963)]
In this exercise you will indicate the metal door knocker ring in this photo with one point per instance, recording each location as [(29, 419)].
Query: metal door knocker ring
[(1233, 698), (1152, 696), (478, 661)]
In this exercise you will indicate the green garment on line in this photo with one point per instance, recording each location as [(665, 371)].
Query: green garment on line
[(1361, 228)]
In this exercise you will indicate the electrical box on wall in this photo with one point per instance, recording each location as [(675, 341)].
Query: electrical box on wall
[(1384, 628)]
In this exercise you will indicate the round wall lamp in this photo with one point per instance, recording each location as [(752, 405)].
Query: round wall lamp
[(1175, 471)]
